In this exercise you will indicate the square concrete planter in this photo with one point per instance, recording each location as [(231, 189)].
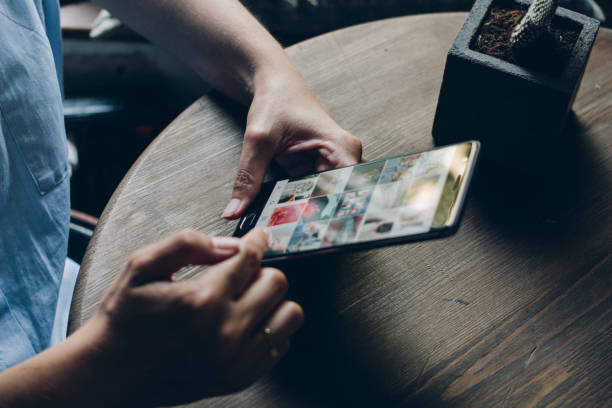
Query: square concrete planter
[(503, 105)]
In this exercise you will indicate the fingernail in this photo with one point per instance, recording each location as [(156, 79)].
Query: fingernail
[(232, 207), (226, 243)]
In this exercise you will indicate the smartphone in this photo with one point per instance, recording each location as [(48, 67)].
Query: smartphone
[(382, 202)]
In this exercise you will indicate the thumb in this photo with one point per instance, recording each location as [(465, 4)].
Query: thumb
[(257, 152)]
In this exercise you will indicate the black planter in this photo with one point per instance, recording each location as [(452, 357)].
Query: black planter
[(508, 108)]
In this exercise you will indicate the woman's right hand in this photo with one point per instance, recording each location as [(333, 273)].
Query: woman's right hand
[(177, 341)]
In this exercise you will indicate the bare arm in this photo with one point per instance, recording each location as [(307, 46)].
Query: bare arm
[(220, 39), (223, 42)]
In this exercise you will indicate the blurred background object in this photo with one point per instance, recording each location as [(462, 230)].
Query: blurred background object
[(120, 92), (295, 20)]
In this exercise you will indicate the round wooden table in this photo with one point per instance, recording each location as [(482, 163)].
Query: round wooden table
[(512, 310)]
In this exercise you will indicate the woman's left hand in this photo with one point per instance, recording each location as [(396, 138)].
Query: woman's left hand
[(286, 123)]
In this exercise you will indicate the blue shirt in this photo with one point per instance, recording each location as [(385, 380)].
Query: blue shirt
[(34, 188)]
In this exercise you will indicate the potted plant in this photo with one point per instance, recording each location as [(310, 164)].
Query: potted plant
[(511, 76)]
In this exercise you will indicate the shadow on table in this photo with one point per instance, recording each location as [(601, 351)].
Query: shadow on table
[(332, 360), (548, 191)]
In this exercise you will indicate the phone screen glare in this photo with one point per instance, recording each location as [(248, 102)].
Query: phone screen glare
[(371, 201)]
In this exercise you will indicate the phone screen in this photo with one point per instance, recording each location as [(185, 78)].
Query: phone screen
[(382, 199)]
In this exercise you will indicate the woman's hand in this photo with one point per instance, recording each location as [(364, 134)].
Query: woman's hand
[(286, 123), (203, 336), (222, 41), (155, 341)]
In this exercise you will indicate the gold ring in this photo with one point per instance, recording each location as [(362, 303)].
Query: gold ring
[(274, 353)]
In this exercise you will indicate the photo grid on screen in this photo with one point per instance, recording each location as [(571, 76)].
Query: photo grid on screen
[(371, 201)]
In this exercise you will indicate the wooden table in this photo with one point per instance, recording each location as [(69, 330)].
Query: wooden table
[(513, 310)]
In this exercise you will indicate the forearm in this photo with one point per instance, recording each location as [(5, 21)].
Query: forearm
[(73, 373), (220, 39)]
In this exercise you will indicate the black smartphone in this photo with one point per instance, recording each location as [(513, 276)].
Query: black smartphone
[(382, 202)]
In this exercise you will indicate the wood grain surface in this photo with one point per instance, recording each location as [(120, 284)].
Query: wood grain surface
[(513, 310)]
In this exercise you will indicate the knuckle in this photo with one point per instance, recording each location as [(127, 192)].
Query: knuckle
[(244, 179), (251, 252), (278, 280), (207, 300), (234, 279), (230, 335), (257, 135), (185, 304), (138, 260), (354, 143), (295, 314), (186, 238)]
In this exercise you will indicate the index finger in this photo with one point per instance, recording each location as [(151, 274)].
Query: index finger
[(234, 274), (188, 247)]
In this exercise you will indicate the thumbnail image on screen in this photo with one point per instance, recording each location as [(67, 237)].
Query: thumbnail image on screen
[(371, 201)]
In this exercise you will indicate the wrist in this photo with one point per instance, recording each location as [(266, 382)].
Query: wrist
[(98, 369), (277, 76), (75, 372)]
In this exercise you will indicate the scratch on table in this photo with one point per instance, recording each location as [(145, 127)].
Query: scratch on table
[(531, 356), (426, 362), (461, 301)]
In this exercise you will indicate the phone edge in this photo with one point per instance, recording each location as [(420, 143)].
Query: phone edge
[(431, 234)]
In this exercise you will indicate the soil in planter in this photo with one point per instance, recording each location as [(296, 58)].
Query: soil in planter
[(548, 55)]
